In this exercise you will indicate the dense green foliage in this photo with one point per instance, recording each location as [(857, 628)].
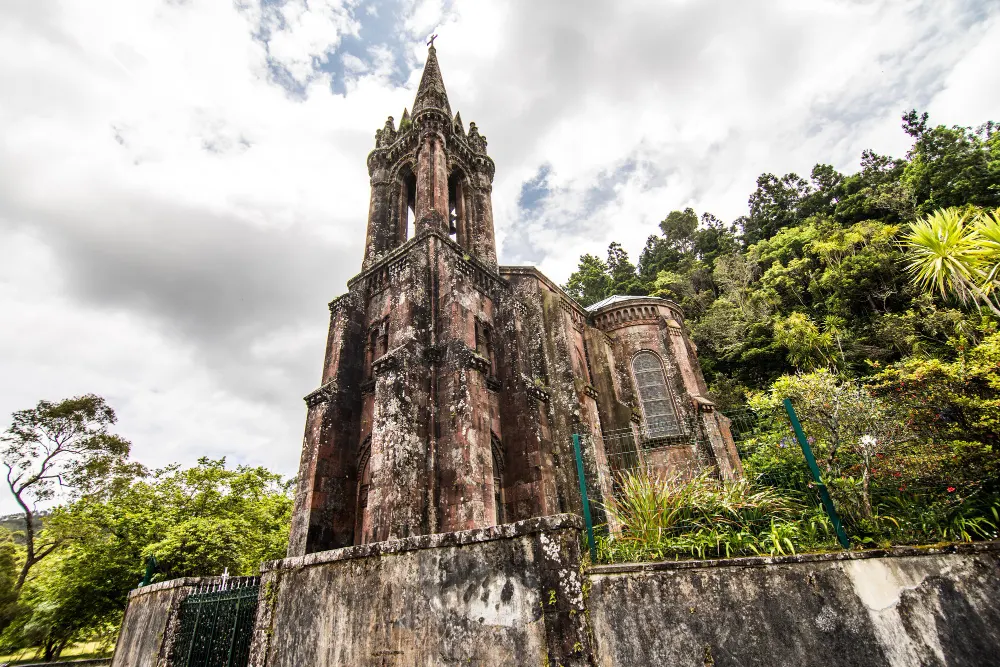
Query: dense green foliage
[(9, 557), (65, 447), (814, 276), (869, 300), (901, 470), (704, 517), (196, 521)]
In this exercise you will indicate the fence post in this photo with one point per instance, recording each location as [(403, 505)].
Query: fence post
[(587, 519), (824, 495), (151, 567)]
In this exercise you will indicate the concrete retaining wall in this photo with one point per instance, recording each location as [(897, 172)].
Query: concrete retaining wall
[(508, 595), (908, 607), (150, 623), (512, 595)]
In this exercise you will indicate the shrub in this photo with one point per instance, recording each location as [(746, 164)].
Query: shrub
[(664, 517)]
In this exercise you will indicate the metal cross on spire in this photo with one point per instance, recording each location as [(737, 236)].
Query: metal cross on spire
[(430, 42)]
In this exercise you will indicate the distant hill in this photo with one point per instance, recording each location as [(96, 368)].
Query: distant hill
[(15, 524)]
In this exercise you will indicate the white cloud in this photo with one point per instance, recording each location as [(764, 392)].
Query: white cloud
[(181, 192), (301, 32)]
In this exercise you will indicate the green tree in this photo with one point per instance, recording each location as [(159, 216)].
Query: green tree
[(669, 250), (808, 347), (774, 206), (622, 273), (590, 282), (65, 446), (197, 521), (952, 166), (9, 571), (595, 279)]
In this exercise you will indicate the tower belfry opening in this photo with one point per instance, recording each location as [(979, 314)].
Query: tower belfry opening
[(456, 208), (408, 202)]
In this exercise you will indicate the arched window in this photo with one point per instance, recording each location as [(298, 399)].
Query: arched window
[(364, 482), (657, 403), (456, 208), (407, 203), (498, 465)]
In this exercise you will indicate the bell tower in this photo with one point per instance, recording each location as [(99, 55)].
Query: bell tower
[(430, 174), (403, 436)]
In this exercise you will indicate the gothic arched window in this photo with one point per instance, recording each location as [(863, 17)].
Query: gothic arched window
[(456, 208), (654, 395), (407, 203), (498, 465)]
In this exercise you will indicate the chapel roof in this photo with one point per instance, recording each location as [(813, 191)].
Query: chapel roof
[(617, 298)]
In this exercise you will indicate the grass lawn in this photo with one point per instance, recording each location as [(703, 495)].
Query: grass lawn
[(71, 652)]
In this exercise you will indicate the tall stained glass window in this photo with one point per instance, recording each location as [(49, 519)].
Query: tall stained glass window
[(657, 404)]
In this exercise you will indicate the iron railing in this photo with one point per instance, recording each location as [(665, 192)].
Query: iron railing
[(684, 452), (216, 623)]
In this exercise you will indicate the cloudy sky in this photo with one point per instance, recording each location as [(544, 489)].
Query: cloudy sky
[(183, 184)]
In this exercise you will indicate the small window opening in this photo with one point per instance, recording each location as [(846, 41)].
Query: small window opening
[(456, 208), (498, 465), (383, 340), (364, 483), (372, 351), (378, 343), (408, 202), (484, 344)]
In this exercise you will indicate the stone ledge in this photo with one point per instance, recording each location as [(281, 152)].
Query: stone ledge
[(763, 561), (94, 662), (172, 583), (436, 541)]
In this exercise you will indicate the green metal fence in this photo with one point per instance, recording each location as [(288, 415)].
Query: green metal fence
[(683, 452), (823, 474), (216, 624), (683, 449)]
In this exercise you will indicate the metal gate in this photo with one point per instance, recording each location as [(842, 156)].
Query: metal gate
[(217, 624)]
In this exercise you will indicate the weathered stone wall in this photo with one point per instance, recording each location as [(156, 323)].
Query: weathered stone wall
[(514, 595), (325, 499), (553, 328), (150, 623), (507, 595), (910, 607)]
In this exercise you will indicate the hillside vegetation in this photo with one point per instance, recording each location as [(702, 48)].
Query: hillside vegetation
[(870, 300)]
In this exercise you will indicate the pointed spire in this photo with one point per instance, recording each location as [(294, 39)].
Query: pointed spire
[(431, 93), (457, 124)]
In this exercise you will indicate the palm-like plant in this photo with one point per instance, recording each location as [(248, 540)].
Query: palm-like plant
[(955, 252), (988, 226)]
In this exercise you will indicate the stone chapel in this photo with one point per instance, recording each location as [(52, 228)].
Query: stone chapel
[(452, 386)]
